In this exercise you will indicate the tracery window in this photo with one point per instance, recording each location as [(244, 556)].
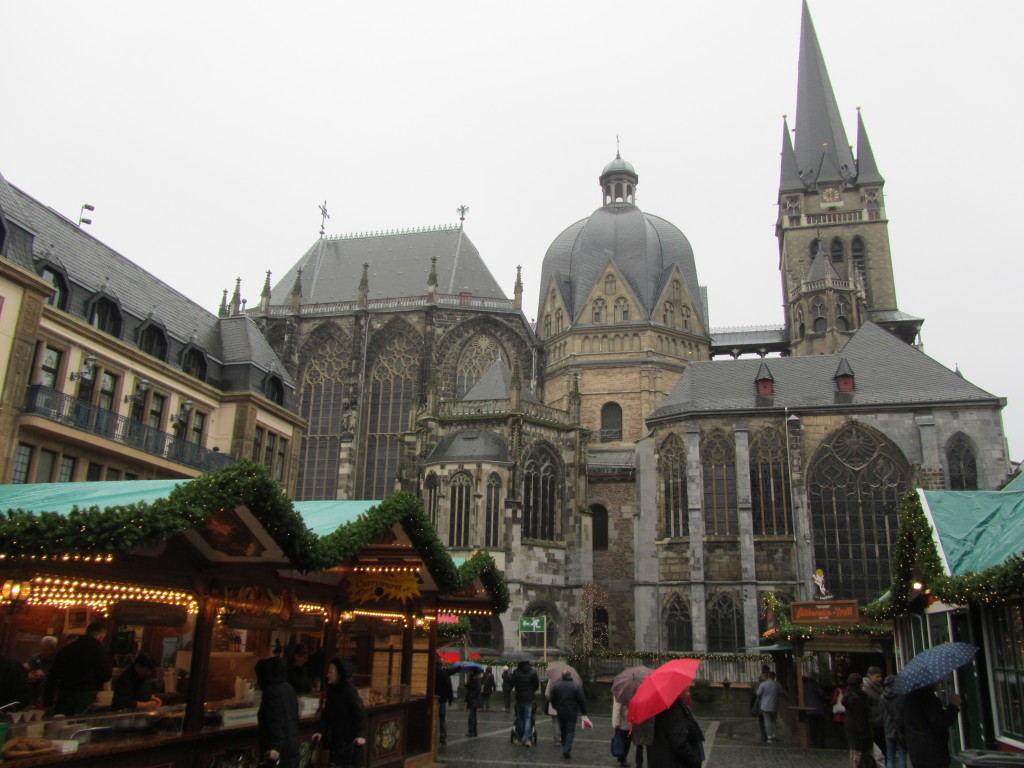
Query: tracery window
[(675, 515), (819, 317), (323, 404), (622, 310), (668, 314), (855, 482), (460, 501), (492, 513), (719, 459), (599, 311), (963, 466), (477, 357), (685, 312), (836, 250), (547, 326), (559, 322), (391, 399), (815, 244), (769, 484), (725, 625), (842, 315), (540, 496), (678, 625), (609, 284), (857, 256), (430, 487), (611, 422)]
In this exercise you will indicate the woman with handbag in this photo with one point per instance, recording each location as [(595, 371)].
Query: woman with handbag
[(620, 736), (343, 722)]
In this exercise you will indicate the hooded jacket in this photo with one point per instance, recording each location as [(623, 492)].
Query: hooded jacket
[(525, 681), (343, 720), (278, 715)]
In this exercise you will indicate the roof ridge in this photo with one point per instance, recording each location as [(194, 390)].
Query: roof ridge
[(393, 232)]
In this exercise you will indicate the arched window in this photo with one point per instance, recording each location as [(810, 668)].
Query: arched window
[(609, 284), (391, 399), (836, 250), (819, 319), (153, 341), (769, 484), (799, 322), (599, 518), (719, 460), (540, 496), (814, 247), (611, 422), (673, 480), (274, 390), (559, 322), (547, 326), (725, 625), (59, 297), (857, 256), (685, 312), (536, 639), (430, 487), (105, 316), (194, 363), (492, 522), (855, 482), (842, 315), (668, 314), (324, 407), (678, 625), (600, 311), (677, 292), (476, 358), (460, 500), (622, 310), (600, 620), (963, 467)]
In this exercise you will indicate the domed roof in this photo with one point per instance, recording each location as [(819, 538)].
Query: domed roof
[(617, 165)]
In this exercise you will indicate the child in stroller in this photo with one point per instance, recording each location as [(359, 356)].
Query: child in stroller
[(516, 736)]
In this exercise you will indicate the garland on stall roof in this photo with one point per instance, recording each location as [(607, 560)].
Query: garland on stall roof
[(122, 529), (453, 630), (915, 557), (785, 629)]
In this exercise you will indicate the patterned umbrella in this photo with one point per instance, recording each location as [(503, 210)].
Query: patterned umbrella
[(932, 665), (554, 673), (463, 667), (661, 688), (627, 681)]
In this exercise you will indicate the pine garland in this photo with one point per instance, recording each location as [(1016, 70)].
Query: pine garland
[(117, 530)]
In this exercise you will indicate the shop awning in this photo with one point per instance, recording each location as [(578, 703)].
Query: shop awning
[(323, 517), (975, 530), (61, 497)]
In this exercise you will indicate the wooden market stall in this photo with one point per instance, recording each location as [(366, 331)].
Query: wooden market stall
[(210, 575)]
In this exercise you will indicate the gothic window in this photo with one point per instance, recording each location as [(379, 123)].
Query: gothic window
[(622, 310), (855, 482), (600, 623), (599, 518), (677, 292), (673, 478), (668, 314), (685, 312), (609, 284), (769, 484), (819, 318), (540, 496), (792, 209), (430, 486), (719, 460), (492, 521), (323, 406), (611, 422), (59, 297), (481, 632), (872, 204), (106, 316), (800, 327), (725, 625), (857, 253), (559, 322), (194, 364), (153, 341), (547, 326), (460, 502), (836, 250), (476, 359), (842, 315), (391, 399), (963, 467), (678, 625), (814, 247), (599, 311)]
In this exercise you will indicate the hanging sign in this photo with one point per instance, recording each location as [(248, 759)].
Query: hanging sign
[(371, 587), (832, 612)]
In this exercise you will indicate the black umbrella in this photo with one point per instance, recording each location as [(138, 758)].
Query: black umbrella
[(517, 656)]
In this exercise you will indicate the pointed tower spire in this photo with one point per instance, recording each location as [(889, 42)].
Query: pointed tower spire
[(265, 295), (236, 298), (296, 297), (223, 311), (518, 295), (789, 173), (867, 170), (364, 287), (432, 281), (822, 151)]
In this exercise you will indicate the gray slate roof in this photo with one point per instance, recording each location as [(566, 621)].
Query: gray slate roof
[(399, 267), (611, 459), (496, 384), (470, 445), (887, 372)]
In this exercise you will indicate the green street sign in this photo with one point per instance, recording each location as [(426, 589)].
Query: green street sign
[(531, 624)]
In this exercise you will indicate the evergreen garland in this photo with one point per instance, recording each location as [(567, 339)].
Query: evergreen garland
[(120, 529), (785, 629)]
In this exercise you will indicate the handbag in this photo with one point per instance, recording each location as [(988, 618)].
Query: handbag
[(618, 744), (755, 706)]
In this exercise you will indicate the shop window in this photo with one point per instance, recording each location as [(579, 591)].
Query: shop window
[(675, 515), (725, 625), (719, 460), (1007, 641), (769, 484), (678, 625)]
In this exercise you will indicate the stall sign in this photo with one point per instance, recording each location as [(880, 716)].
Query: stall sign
[(833, 612), (371, 587), (257, 601)]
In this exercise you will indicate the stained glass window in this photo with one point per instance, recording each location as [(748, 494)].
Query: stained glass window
[(477, 357), (963, 467), (725, 625), (540, 494), (769, 484), (719, 460), (392, 395), (460, 499), (673, 477), (678, 625)]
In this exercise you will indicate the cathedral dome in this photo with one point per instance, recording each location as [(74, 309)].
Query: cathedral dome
[(645, 249)]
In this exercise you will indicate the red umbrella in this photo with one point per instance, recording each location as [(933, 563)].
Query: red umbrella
[(662, 687), (627, 681)]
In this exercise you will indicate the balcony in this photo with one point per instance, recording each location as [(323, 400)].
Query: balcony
[(78, 414)]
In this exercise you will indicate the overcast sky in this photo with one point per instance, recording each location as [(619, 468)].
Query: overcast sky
[(207, 133)]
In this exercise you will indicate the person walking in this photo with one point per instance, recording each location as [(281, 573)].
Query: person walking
[(755, 709), (343, 721), (873, 692), (892, 717), (488, 687), (445, 696), (926, 725), (506, 686), (620, 722), (642, 735), (525, 683), (79, 671), (277, 718), (474, 699), (814, 701), (569, 702), (677, 738), (768, 694), (858, 725)]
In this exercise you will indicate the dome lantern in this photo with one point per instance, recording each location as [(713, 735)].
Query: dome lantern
[(618, 182)]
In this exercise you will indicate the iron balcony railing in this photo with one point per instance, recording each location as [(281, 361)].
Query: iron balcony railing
[(76, 413)]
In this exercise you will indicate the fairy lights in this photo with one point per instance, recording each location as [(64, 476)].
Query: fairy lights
[(66, 558), (385, 569), (100, 595)]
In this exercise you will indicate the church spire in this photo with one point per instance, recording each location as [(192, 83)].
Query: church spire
[(789, 174), (822, 150), (867, 170)]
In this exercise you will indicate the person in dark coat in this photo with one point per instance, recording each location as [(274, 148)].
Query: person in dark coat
[(858, 721), (278, 715), (892, 718), (506, 687), (79, 671), (488, 687), (298, 669), (814, 701), (135, 686), (343, 721), (525, 683), (445, 696), (926, 726), (677, 738), (14, 685), (474, 699), (566, 696)]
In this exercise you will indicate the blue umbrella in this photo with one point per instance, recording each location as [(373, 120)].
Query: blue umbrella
[(463, 667), (932, 665)]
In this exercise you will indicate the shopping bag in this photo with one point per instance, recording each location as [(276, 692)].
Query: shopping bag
[(618, 744)]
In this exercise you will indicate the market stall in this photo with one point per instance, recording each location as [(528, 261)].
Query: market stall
[(208, 576)]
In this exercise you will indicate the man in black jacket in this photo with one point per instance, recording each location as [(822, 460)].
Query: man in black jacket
[(278, 715), (79, 671), (525, 683), (926, 725), (445, 696), (569, 702)]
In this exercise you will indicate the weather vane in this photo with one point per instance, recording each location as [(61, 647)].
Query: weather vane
[(324, 216), (617, 149), (462, 211)]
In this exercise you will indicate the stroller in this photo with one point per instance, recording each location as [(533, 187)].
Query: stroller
[(517, 726)]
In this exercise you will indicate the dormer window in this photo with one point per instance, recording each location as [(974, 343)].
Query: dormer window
[(59, 297), (153, 341), (106, 316), (844, 377), (274, 390), (194, 363)]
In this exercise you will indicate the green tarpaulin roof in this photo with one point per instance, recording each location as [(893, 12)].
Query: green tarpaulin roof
[(975, 530), (324, 517)]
